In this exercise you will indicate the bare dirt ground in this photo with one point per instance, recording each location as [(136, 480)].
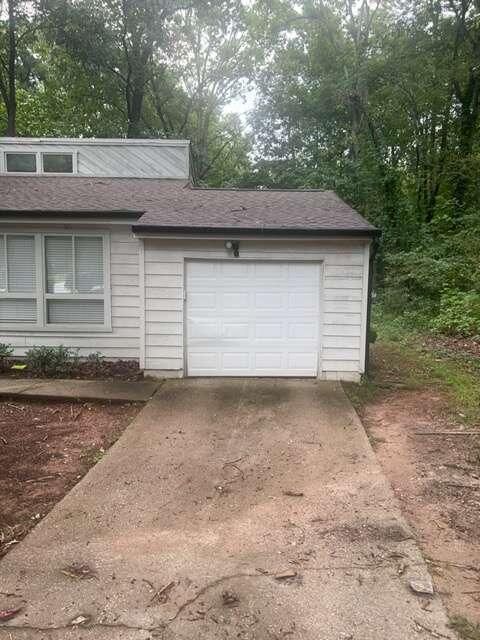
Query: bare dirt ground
[(436, 478), (45, 448)]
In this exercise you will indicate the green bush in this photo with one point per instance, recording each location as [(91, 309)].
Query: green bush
[(6, 351), (51, 362), (459, 314)]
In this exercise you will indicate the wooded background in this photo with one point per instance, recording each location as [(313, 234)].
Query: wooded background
[(377, 100)]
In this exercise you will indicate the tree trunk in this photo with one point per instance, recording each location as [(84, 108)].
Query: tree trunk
[(134, 128), (469, 115), (11, 103)]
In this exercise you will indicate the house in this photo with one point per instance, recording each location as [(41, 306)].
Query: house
[(104, 246)]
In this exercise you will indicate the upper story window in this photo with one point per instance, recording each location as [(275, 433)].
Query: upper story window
[(57, 162), (40, 162), (21, 162)]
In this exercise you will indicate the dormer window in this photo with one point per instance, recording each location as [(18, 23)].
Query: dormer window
[(57, 162), (21, 162), (40, 162)]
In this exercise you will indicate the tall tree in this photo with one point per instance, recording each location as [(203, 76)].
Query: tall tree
[(16, 30), (210, 65), (117, 37)]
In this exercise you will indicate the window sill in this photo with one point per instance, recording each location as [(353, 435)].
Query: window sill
[(57, 328)]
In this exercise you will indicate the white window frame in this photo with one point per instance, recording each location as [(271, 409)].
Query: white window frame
[(19, 153), (39, 163), (42, 296)]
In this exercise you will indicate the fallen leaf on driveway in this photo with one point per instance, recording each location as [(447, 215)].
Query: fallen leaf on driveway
[(81, 619), (285, 575), (8, 614), (79, 572)]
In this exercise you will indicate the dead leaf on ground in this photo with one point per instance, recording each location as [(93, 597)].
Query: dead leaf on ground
[(285, 575), (79, 572), (294, 494), (8, 614), (80, 620), (230, 599)]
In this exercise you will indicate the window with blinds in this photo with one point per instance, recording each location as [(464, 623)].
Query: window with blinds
[(74, 279), (70, 291), (18, 279)]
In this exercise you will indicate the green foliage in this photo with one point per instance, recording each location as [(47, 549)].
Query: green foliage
[(6, 351), (466, 630), (459, 314), (95, 358), (51, 362)]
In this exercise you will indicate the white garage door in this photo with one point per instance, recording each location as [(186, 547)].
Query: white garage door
[(252, 318)]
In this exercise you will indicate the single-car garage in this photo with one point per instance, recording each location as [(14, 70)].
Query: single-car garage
[(255, 283), (252, 318)]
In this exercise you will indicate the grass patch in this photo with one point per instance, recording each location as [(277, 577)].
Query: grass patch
[(465, 629), (93, 455), (400, 359)]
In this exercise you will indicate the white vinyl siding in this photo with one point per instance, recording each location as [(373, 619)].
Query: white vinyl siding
[(343, 297), (121, 340)]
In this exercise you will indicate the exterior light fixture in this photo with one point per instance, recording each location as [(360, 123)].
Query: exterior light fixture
[(233, 245)]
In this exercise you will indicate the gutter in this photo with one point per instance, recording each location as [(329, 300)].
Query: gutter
[(371, 263), (71, 212), (221, 232)]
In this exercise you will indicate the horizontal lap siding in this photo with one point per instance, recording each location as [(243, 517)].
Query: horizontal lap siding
[(343, 296), (130, 160), (124, 339)]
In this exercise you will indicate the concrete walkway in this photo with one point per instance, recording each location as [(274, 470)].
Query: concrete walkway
[(110, 390), (252, 509)]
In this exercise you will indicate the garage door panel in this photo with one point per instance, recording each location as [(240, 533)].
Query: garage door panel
[(234, 269), (303, 300), (203, 300), (269, 331), (302, 361), (302, 272), (235, 330), (268, 270), (269, 360), (202, 330), (235, 361), (202, 270), (273, 301), (303, 330), (253, 319), (205, 361), (236, 300)]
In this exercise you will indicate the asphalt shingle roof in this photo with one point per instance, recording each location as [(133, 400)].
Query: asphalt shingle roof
[(168, 204)]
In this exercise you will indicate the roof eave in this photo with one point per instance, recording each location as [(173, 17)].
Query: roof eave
[(235, 231), (71, 213)]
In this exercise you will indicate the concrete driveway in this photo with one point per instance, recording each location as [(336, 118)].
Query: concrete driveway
[(246, 509)]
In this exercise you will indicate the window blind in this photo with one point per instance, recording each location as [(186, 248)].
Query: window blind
[(75, 311), (21, 264), (3, 267), (88, 264), (18, 311), (59, 264)]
